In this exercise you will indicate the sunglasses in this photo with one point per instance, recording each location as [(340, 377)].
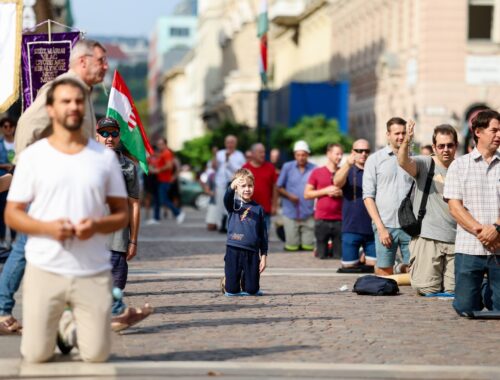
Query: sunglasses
[(442, 146), (367, 151), (106, 134)]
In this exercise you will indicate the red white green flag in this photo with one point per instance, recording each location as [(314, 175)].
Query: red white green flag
[(262, 28), (122, 108)]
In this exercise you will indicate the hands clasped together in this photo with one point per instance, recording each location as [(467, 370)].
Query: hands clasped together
[(62, 229)]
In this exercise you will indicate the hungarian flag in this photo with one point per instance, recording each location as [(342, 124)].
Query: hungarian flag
[(122, 108), (262, 28)]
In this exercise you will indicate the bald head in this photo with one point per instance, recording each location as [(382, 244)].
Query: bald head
[(361, 144), (230, 143), (258, 154)]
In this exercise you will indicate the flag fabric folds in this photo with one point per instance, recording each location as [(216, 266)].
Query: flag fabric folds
[(262, 28), (122, 108), (11, 19)]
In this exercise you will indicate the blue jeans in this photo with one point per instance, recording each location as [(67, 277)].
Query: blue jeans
[(163, 189), (12, 274), (351, 242), (119, 271), (472, 290), (386, 257)]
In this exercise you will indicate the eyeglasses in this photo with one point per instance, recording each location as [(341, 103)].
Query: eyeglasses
[(442, 146), (367, 151), (101, 60), (106, 134)]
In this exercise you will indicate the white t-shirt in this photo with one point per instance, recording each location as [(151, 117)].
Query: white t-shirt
[(226, 169), (73, 186)]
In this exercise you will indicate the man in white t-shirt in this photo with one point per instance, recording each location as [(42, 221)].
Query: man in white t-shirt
[(227, 161), (67, 179)]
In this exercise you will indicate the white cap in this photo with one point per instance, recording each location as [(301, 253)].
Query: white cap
[(301, 145)]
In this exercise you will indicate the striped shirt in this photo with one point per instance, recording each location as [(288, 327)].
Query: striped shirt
[(476, 183)]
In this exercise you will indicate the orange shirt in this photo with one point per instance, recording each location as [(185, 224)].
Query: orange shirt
[(165, 175)]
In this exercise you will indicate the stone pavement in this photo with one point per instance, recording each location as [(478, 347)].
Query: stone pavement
[(304, 326)]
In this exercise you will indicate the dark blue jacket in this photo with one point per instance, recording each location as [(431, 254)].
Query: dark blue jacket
[(246, 224)]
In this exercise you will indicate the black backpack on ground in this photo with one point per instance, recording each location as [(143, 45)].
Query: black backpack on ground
[(375, 286)]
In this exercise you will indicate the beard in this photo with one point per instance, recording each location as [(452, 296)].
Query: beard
[(72, 123)]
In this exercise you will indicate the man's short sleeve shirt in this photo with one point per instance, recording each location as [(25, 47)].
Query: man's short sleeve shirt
[(76, 186), (476, 183), (294, 181)]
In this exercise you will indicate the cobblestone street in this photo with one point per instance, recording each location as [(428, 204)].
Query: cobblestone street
[(302, 317)]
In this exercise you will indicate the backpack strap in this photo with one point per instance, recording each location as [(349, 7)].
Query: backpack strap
[(427, 188)]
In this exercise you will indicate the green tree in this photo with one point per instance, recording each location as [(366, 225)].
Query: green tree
[(317, 131), (197, 152)]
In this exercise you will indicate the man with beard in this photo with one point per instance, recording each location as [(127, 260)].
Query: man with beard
[(88, 65), (432, 260), (385, 185), (67, 223)]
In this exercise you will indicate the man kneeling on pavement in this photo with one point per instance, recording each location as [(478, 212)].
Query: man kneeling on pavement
[(432, 253)]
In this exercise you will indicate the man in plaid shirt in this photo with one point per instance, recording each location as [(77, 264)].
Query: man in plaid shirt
[(472, 189)]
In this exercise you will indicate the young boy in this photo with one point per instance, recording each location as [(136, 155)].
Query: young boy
[(246, 236)]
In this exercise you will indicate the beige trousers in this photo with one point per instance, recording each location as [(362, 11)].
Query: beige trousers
[(432, 266), (299, 233), (45, 296)]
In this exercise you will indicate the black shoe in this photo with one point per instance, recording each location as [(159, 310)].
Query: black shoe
[(64, 347)]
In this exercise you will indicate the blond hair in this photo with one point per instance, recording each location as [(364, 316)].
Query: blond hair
[(244, 173)]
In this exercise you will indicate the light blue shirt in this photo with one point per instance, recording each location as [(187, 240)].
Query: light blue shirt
[(386, 182), (294, 181)]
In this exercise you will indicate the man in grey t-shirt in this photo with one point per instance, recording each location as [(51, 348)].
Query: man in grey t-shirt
[(123, 243), (432, 252)]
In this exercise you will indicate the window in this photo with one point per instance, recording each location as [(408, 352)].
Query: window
[(480, 19), (179, 32)]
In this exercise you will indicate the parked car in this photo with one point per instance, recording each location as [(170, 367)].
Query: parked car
[(192, 194)]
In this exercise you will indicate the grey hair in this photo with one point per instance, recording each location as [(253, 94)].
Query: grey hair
[(83, 47)]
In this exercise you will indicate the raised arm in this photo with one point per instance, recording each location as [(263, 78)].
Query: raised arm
[(341, 176), (404, 158)]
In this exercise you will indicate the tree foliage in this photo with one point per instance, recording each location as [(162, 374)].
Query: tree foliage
[(317, 131), (197, 152)]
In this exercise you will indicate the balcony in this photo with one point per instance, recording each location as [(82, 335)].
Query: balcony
[(287, 12)]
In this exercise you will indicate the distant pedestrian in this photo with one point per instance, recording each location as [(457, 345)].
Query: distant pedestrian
[(328, 212), (247, 242), (297, 211), (165, 176), (473, 193), (265, 191), (69, 181), (385, 185), (123, 243), (426, 150), (357, 229), (7, 155), (227, 162)]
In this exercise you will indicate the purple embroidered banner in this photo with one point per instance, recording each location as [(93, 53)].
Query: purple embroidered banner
[(42, 61)]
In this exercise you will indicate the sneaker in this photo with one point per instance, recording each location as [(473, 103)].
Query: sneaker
[(66, 334), (180, 218), (150, 222)]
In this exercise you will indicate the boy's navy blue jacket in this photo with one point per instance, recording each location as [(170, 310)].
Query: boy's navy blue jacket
[(246, 224)]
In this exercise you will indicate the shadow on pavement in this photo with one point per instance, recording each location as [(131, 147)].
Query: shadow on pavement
[(187, 309), (219, 323), (218, 354)]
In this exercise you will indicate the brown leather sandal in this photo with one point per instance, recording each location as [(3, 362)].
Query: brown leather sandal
[(10, 326), (130, 317)]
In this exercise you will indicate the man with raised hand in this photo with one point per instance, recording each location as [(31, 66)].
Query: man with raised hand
[(432, 253)]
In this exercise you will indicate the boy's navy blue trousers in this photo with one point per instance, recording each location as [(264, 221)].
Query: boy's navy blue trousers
[(241, 264)]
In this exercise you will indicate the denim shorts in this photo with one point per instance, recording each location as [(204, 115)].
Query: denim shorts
[(386, 257), (351, 242)]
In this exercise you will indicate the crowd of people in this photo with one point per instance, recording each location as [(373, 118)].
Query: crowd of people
[(74, 231)]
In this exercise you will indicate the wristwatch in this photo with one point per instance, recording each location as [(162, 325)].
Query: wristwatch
[(497, 226)]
